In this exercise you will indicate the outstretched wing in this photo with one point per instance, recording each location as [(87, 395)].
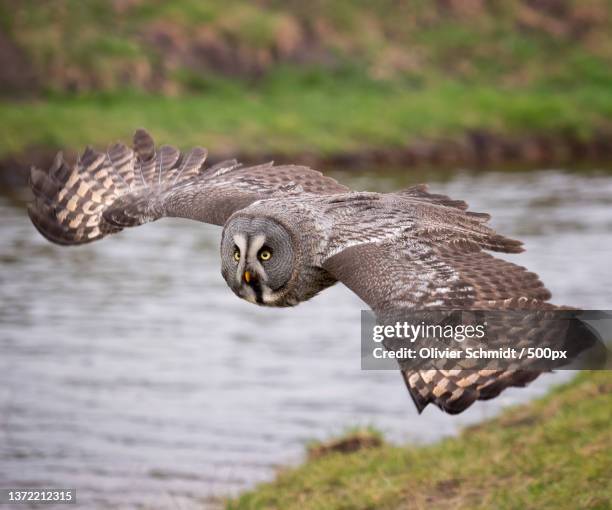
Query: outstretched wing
[(105, 192), (435, 260)]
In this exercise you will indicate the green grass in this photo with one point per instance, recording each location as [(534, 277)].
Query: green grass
[(553, 453), (285, 116), (291, 77), (496, 40)]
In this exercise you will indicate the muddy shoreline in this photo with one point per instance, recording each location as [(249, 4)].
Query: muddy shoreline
[(476, 149)]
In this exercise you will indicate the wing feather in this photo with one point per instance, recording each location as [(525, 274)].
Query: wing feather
[(436, 262), (105, 192)]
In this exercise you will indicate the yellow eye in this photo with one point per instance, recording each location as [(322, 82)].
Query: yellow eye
[(237, 255), (265, 255)]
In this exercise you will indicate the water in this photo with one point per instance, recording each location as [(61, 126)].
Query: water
[(129, 371)]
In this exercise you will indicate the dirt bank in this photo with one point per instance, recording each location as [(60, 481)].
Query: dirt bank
[(474, 150)]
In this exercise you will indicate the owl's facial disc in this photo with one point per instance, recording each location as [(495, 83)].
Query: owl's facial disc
[(257, 259)]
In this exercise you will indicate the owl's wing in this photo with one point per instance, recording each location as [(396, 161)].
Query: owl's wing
[(105, 192), (434, 260)]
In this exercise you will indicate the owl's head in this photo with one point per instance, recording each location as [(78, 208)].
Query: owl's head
[(257, 259)]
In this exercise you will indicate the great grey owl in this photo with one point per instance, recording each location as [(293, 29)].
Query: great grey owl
[(289, 232)]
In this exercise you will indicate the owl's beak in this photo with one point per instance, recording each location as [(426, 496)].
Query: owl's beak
[(247, 276)]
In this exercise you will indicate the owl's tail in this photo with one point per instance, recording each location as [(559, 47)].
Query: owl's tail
[(78, 204)]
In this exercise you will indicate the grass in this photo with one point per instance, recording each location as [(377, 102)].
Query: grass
[(289, 77), (516, 39), (286, 117), (552, 453)]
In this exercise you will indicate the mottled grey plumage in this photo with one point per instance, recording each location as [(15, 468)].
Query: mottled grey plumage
[(290, 232)]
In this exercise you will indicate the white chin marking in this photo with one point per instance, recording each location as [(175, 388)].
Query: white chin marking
[(269, 296), (248, 294)]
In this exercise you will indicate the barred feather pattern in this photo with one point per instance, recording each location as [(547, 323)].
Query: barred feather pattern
[(454, 385), (69, 203), (434, 260), (106, 192)]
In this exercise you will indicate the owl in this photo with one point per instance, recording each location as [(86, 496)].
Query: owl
[(290, 232)]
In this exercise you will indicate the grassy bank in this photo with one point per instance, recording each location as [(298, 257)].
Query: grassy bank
[(553, 453), (277, 77), (289, 118)]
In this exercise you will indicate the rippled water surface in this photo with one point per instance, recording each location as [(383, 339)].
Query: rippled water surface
[(129, 371)]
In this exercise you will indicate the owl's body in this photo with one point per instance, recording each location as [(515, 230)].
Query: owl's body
[(289, 232), (312, 224)]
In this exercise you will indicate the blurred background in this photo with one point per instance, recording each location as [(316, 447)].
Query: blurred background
[(127, 368), (343, 82)]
